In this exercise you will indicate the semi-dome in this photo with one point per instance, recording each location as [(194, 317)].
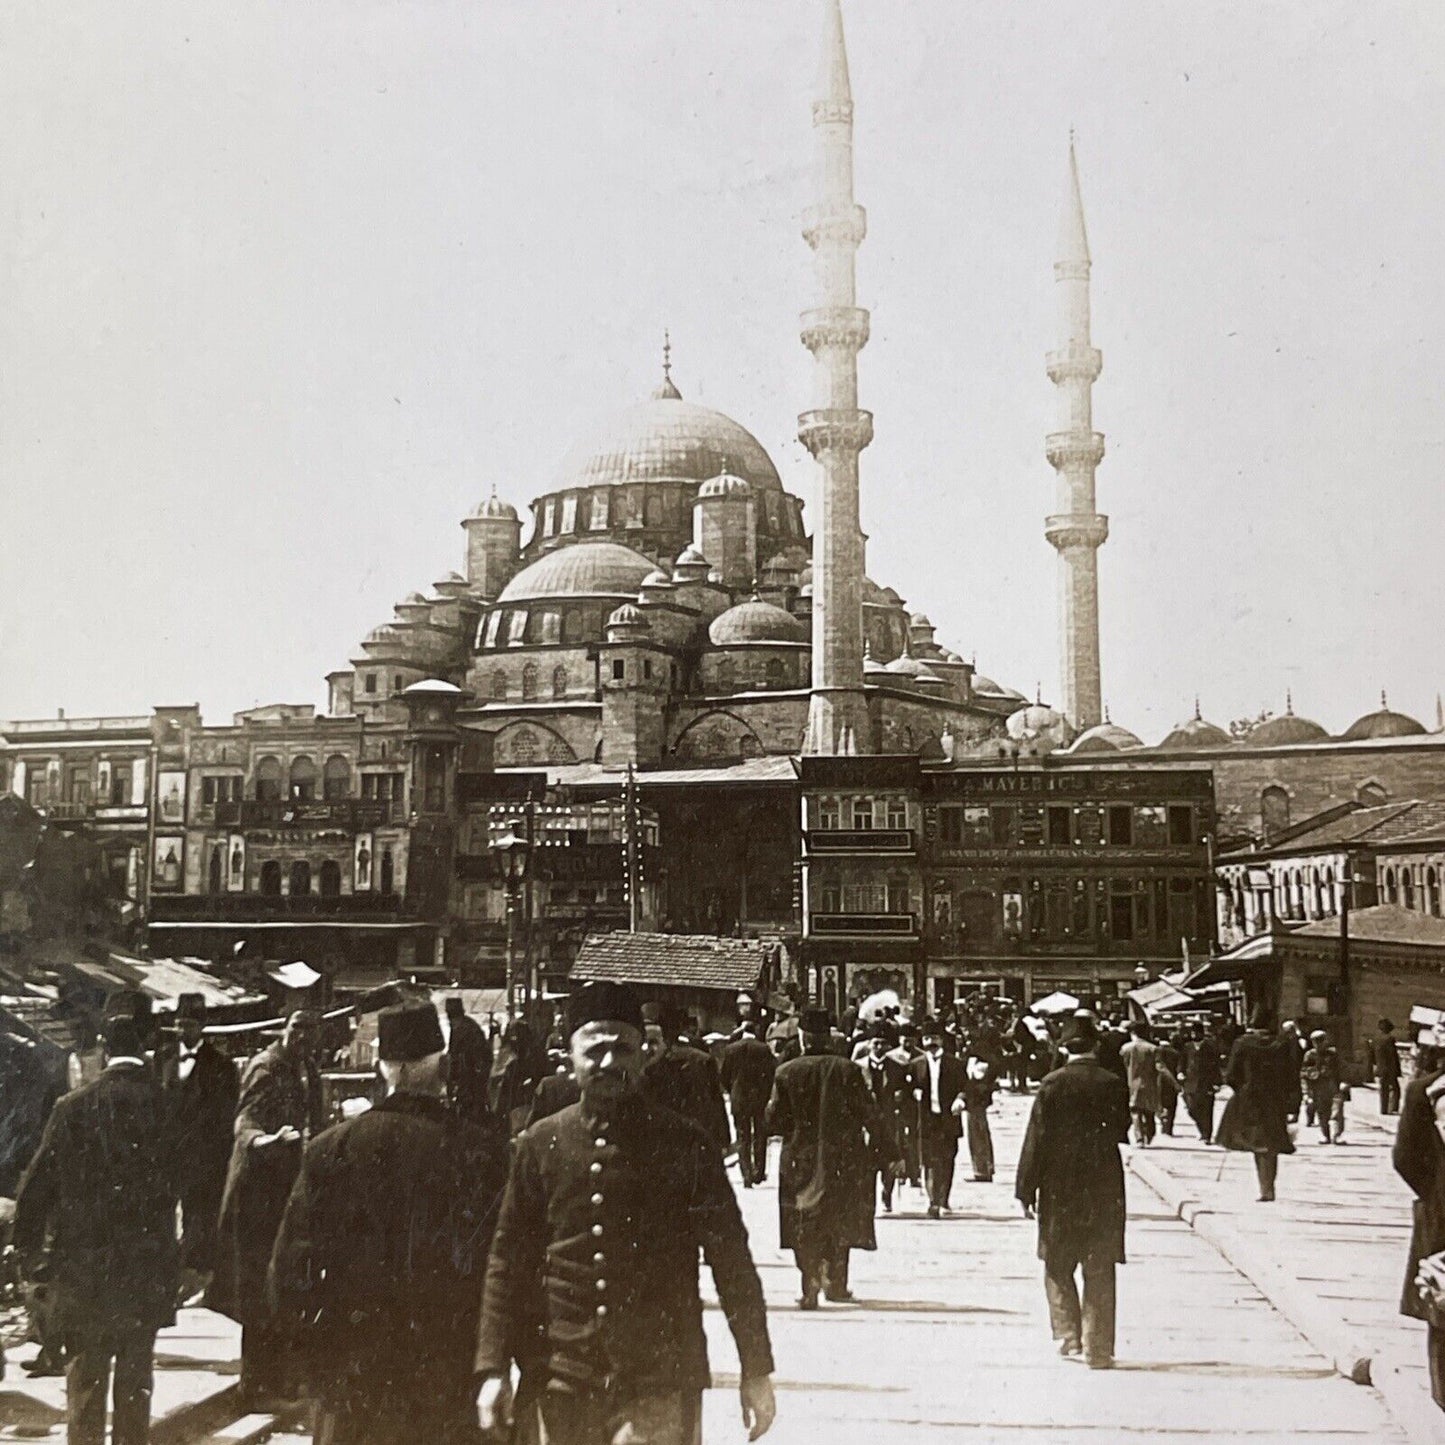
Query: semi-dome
[(1382, 724), (667, 439), (1283, 731), (753, 622), (585, 569)]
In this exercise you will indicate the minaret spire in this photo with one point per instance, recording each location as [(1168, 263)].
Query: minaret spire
[(1076, 530), (835, 431)]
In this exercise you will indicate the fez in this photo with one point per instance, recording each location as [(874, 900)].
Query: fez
[(191, 1006), (455, 1006), (604, 1003), (407, 1032), (816, 1021), (122, 1038)]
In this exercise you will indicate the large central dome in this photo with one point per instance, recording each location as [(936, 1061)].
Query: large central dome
[(667, 439)]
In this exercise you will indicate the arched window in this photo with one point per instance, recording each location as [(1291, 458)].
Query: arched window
[(559, 682), (1432, 892), (775, 672), (330, 879), (1332, 905), (499, 686), (271, 878), (1407, 887), (574, 624), (336, 778), (524, 747), (388, 872), (1392, 893), (1319, 893), (726, 675), (303, 779), (213, 877), (300, 878), (1274, 810), (269, 780), (529, 682)]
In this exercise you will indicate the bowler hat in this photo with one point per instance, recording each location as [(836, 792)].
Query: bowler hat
[(122, 1037), (816, 1021), (604, 1003), (407, 1032), (191, 1006)]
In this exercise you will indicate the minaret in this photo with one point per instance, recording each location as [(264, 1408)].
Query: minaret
[(1076, 530), (835, 331)]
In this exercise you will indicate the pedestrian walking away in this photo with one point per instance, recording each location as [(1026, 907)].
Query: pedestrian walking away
[(1385, 1058), (201, 1086), (978, 1090), (939, 1082), (833, 1148), (280, 1108), (1263, 1072), (593, 1273), (1070, 1176), (469, 1062), (1203, 1075), (747, 1071), (104, 1186), (1171, 1063), (376, 1277), (1145, 1072)]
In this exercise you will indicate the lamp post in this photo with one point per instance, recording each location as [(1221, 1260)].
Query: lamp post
[(510, 855)]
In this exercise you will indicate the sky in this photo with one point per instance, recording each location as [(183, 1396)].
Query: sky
[(285, 290)]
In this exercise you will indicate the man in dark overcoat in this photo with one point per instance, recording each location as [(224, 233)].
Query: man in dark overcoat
[(469, 1063), (201, 1086), (833, 1145), (552, 1095), (939, 1083), (1202, 1078), (747, 1071), (682, 1078), (1071, 1176), (280, 1107), (592, 1283), (103, 1181), (1263, 1072), (887, 1083), (1385, 1061), (1419, 1159), (378, 1266)]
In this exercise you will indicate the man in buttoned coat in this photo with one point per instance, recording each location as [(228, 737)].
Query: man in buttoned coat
[(592, 1283), (940, 1085), (747, 1073), (377, 1272), (887, 1083)]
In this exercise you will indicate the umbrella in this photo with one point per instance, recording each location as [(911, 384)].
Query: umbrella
[(1056, 1003), (874, 1004)]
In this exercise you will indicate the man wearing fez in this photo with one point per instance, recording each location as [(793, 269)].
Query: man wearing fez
[(1070, 1176), (680, 1077), (201, 1086), (592, 1281), (378, 1266), (103, 1183), (833, 1147), (280, 1107)]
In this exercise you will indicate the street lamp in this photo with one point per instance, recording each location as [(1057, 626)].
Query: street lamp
[(510, 855)]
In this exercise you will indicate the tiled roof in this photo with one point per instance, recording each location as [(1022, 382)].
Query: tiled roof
[(770, 769), (1384, 923), (682, 960), (1410, 821)]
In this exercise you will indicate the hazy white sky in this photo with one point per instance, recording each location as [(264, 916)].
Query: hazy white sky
[(285, 289)]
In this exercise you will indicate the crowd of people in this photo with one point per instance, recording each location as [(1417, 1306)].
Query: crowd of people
[(509, 1239)]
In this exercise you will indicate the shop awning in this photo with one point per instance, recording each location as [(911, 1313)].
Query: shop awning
[(1240, 962), (1159, 997)]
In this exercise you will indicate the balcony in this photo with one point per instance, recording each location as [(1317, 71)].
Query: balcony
[(352, 814), (262, 907), (863, 925), (861, 840)]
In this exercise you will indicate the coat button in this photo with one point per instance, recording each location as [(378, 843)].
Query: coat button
[(601, 1285), (601, 1312), (597, 1199), (597, 1230), (599, 1258), (595, 1167), (600, 1143)]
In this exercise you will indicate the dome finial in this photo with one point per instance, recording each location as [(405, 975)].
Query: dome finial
[(1198, 716), (1107, 718), (668, 390), (1384, 701), (1289, 702), (1038, 694)]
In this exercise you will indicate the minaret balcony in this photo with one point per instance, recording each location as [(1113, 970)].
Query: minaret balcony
[(1069, 531), (1075, 362), (1073, 450), (835, 221), (835, 430), (835, 326)]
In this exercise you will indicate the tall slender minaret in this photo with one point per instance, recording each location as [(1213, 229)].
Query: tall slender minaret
[(835, 331), (1076, 530)]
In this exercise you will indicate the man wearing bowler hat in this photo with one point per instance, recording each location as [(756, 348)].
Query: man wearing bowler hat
[(378, 1266), (201, 1086), (592, 1282)]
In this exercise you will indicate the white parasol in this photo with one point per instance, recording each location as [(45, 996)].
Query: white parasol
[(1056, 1003), (874, 1004)]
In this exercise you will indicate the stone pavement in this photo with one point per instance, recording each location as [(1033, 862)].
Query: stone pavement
[(1330, 1252)]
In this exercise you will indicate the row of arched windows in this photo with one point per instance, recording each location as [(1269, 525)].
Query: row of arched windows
[(300, 875), (530, 679), (1301, 893), (303, 782), (1402, 886)]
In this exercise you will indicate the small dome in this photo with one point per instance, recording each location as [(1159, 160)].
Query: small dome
[(920, 619), (905, 665), (1282, 731), (724, 485), (626, 616), (755, 622), (494, 509), (1382, 724), (1037, 717), (691, 557), (1106, 737), (415, 599), (584, 569), (657, 579), (871, 666), (433, 686), (987, 686), (926, 677)]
